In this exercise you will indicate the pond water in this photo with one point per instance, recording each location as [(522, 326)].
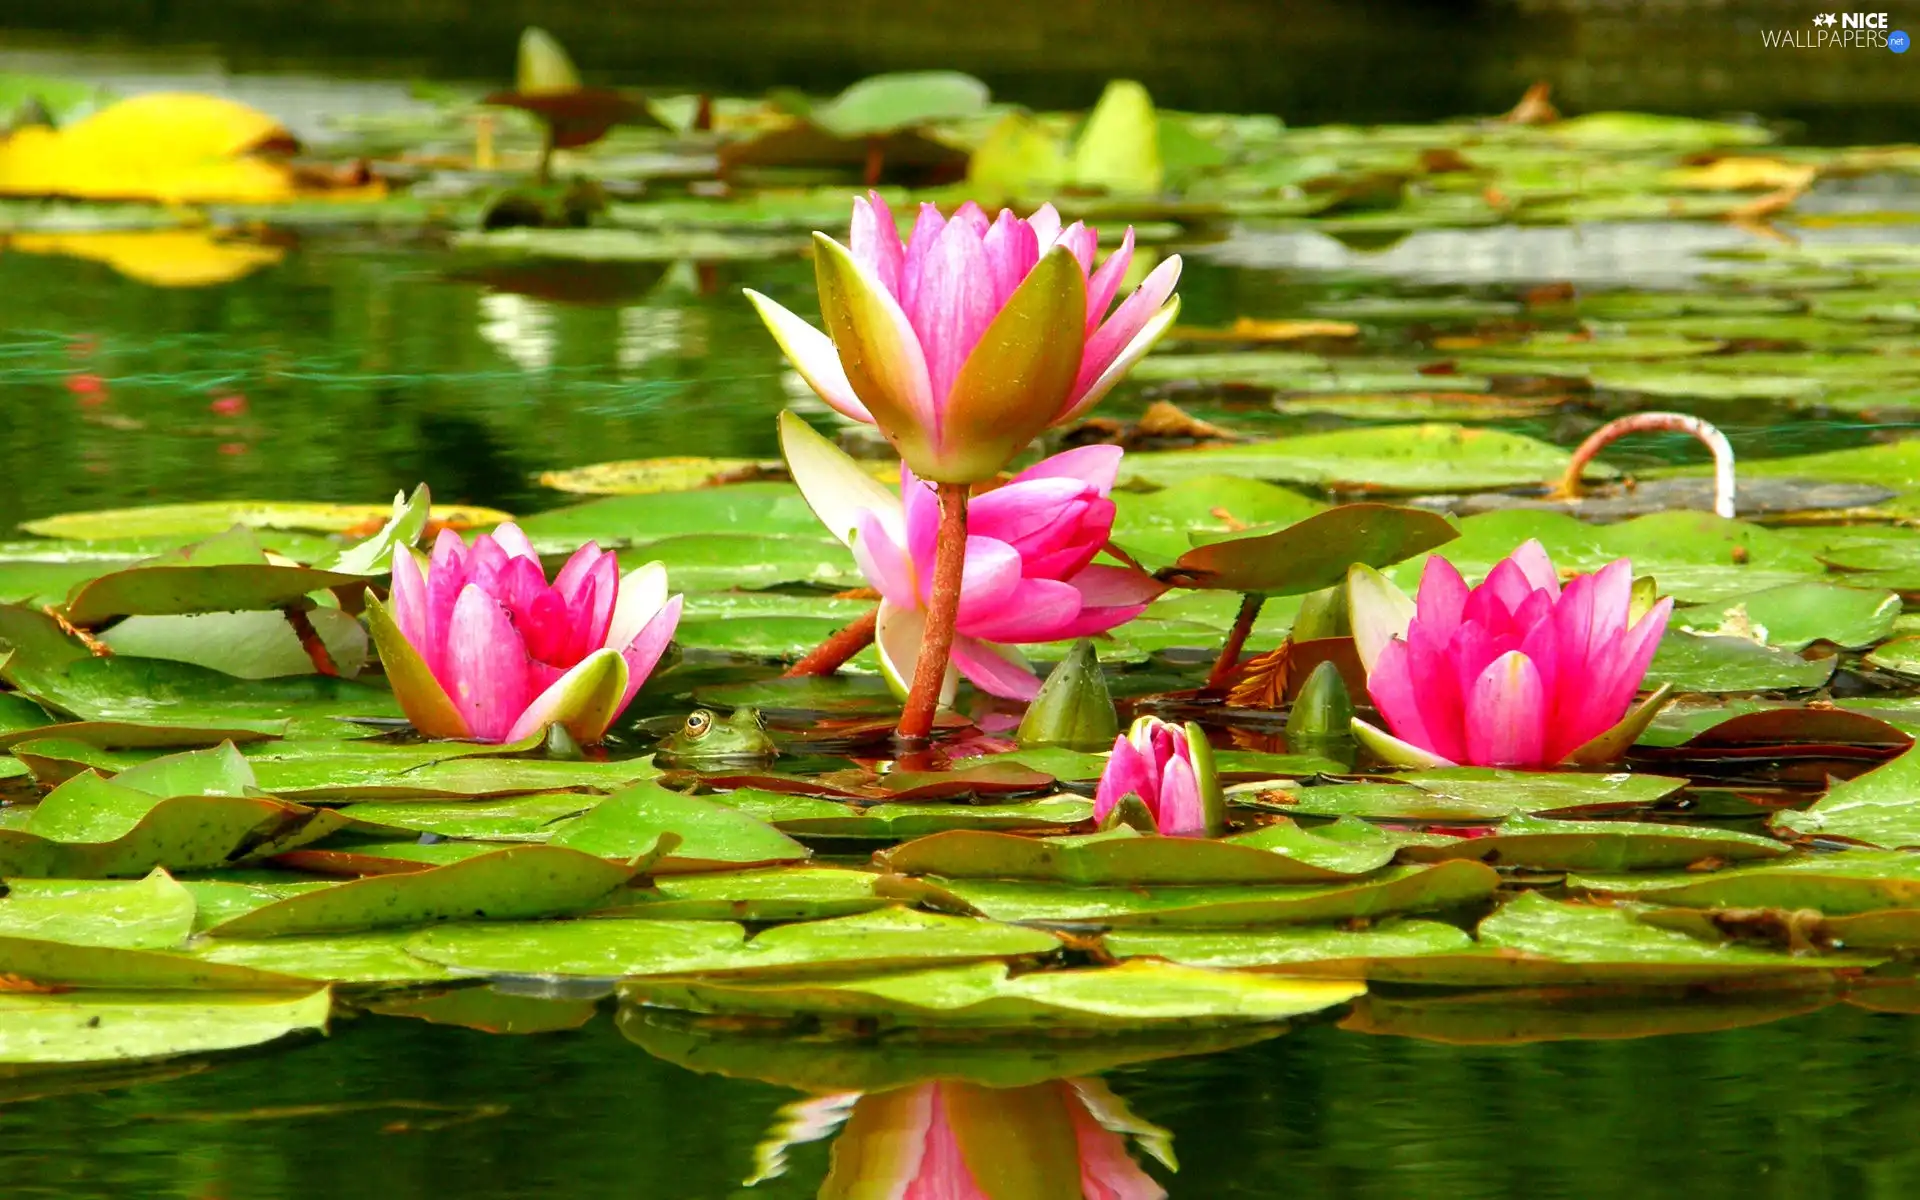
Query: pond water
[(342, 365)]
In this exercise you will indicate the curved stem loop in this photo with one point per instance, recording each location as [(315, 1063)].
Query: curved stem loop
[(1723, 483)]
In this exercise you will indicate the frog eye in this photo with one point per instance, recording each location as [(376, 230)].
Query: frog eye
[(699, 722)]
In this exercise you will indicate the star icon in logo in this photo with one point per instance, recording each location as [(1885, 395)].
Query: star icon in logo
[(1824, 19)]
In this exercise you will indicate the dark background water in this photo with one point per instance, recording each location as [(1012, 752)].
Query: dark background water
[(1813, 1107)]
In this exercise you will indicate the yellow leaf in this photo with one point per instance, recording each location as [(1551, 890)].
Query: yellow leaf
[(1742, 173), (161, 257), (173, 147), (1253, 329)]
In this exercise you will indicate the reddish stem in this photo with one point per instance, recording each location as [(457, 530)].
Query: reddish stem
[(1236, 641), (1723, 484), (829, 656), (943, 607), (310, 641)]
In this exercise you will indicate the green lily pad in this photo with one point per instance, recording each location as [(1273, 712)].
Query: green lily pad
[(509, 818), (162, 693), (811, 816), (248, 645), (1395, 458), (1876, 808), (1600, 846), (710, 835), (227, 573), (1287, 945), (782, 894), (1314, 553), (613, 947), (488, 1010), (900, 100), (1692, 663), (154, 913), (378, 957), (985, 995), (178, 521), (63, 964), (1279, 853), (515, 882), (131, 735), (1796, 615), (1395, 890), (1160, 524), (1836, 884), (91, 827), (771, 509), (83, 1027), (1468, 795), (345, 771)]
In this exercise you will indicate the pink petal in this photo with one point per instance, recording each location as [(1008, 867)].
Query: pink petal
[(1034, 610), (1506, 718), (1107, 1171), (446, 579), (921, 505), (1508, 582), (1098, 466), (943, 1173), (644, 651), (1020, 510), (1104, 283), (1101, 585), (518, 584), (447, 548), (591, 610), (547, 629), (1082, 242), (973, 217), (987, 581), (576, 569), (1105, 343), (486, 666), (875, 240), (1612, 599), (1532, 559), (1012, 251), (1127, 770), (1442, 597), (992, 672), (884, 563), (509, 538), (927, 228), (1045, 223), (1179, 813), (956, 304), (408, 604)]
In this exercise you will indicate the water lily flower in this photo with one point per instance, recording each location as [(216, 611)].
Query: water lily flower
[(966, 340), (1029, 573), (1170, 769), (481, 646), (1517, 672), (952, 1140)]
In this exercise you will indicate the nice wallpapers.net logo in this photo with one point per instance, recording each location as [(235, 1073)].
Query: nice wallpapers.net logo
[(1841, 31)]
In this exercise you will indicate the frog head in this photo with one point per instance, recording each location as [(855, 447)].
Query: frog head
[(707, 736)]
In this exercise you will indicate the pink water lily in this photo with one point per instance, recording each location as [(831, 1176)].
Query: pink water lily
[(954, 1141), (1170, 768), (1029, 573), (1517, 672), (482, 646), (967, 339)]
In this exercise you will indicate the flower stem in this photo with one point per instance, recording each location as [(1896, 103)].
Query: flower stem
[(829, 656), (943, 607), (1236, 641), (310, 641), (1723, 482)]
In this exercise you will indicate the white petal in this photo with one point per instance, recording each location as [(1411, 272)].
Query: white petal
[(1133, 352), (837, 488), (813, 354), (643, 591)]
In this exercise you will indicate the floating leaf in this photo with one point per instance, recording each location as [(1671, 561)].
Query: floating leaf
[(179, 521), (1876, 808), (710, 835), (1139, 994), (1396, 890), (515, 882), (809, 816), (1554, 845), (1795, 615), (1119, 147), (82, 1027), (1278, 853), (1395, 458), (614, 947), (1282, 947), (379, 957), (1848, 882), (784, 894), (1313, 554), (247, 645), (902, 100), (489, 1010), (1692, 663), (1469, 794)]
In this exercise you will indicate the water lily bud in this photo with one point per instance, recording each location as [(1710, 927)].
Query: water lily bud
[(1169, 768), (1074, 707), (1130, 811), (1323, 614), (1322, 709)]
